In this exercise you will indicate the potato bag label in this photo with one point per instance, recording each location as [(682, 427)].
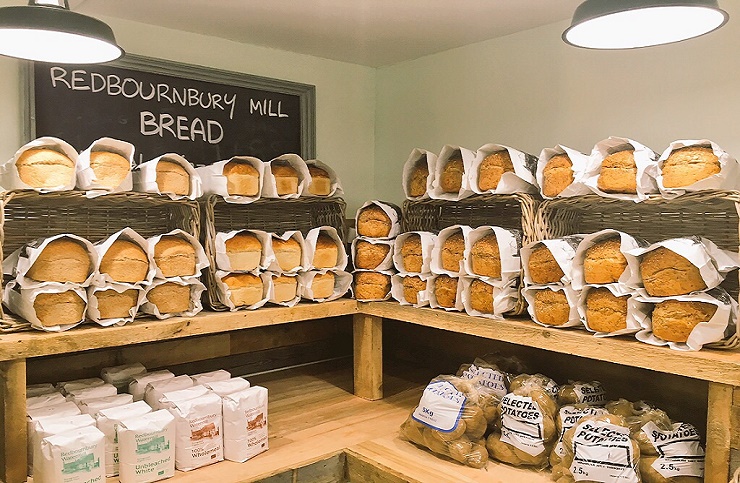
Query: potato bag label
[(603, 452), (592, 394), (440, 406), (680, 451), (491, 380), (570, 415), (521, 424)]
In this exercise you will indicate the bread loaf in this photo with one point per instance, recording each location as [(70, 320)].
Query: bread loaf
[(285, 288), (445, 290), (418, 179), (492, 168), (618, 173), (63, 308), (411, 288), (62, 260), (686, 166), (543, 268), (485, 257), (242, 179), (125, 261), (244, 251), (45, 168), (665, 273), (373, 222), (606, 312), (551, 307), (322, 285), (452, 174), (369, 255), (175, 256), (114, 305), (673, 320), (604, 262), (372, 285), (172, 177), (287, 252), (286, 177), (481, 297), (326, 254), (245, 289), (453, 250), (411, 252), (170, 298), (110, 169), (557, 175), (320, 181)]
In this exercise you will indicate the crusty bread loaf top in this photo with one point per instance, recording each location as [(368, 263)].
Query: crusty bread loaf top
[(239, 280), (240, 167), (283, 170), (492, 168), (317, 172), (452, 174), (687, 165), (558, 175), (243, 242), (418, 179)]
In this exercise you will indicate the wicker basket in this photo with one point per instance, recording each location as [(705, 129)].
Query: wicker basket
[(711, 214), (515, 211), (271, 215), (28, 215)]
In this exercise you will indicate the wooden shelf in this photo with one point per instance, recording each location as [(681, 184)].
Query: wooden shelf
[(709, 365)]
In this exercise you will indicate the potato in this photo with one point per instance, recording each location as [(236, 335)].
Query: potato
[(413, 431), (478, 457), (433, 441), (460, 449), (455, 433), (635, 423), (650, 475), (476, 422), (506, 453)]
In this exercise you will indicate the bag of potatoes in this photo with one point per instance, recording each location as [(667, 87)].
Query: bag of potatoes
[(449, 421), (669, 452), (527, 424), (626, 409), (599, 449), (578, 392), (569, 416)]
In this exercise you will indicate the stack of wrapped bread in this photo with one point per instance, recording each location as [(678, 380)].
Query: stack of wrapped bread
[(529, 420), (377, 224), (412, 253)]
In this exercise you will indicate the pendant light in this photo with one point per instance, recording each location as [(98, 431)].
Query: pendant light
[(48, 31), (629, 24)]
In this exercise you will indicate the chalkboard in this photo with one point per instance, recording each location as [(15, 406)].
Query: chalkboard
[(162, 107)]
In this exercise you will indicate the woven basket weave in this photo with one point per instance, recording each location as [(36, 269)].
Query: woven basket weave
[(711, 214), (515, 211), (270, 215), (28, 215)]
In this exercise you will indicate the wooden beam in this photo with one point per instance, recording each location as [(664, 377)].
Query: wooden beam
[(13, 463), (719, 433), (368, 349)]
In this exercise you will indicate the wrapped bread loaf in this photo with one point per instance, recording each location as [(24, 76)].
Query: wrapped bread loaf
[(110, 169), (288, 253), (542, 266), (125, 261), (551, 307), (619, 173), (604, 262), (172, 177), (485, 257), (286, 177), (62, 260), (412, 286), (369, 255), (411, 251), (686, 166), (674, 320), (372, 285), (45, 168), (453, 249), (452, 174), (558, 175), (373, 222), (665, 273), (445, 290), (242, 179), (244, 251), (320, 181), (59, 308), (492, 168), (175, 256), (418, 180), (606, 312)]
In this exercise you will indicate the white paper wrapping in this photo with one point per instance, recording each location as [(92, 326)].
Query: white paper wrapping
[(504, 298), (428, 241), (155, 390), (269, 189), (138, 384), (94, 406), (212, 376), (386, 263), (508, 246), (389, 273), (201, 260), (522, 180), (245, 424), (458, 307), (33, 390), (574, 319), (222, 257), (20, 301), (107, 421), (305, 255), (645, 160), (145, 177), (342, 284), (713, 262), (67, 386), (146, 447), (79, 395), (422, 297), (722, 324), (168, 399), (59, 450), (436, 262), (313, 236), (562, 249), (121, 376), (224, 294), (726, 179), (93, 312), (447, 152), (222, 388), (199, 432), (46, 427), (196, 289), (336, 185), (9, 178), (298, 291), (634, 307), (418, 154), (393, 212), (127, 234), (86, 179), (214, 181), (627, 243), (20, 261), (581, 163), (51, 399)]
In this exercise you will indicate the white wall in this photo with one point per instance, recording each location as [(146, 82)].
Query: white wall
[(345, 94), (530, 90)]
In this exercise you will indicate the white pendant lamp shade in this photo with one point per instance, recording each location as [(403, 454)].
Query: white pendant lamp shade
[(48, 31), (629, 24)]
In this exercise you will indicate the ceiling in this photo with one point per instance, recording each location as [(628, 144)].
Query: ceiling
[(367, 32)]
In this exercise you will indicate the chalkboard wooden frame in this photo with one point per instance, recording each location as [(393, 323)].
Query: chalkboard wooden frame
[(305, 92)]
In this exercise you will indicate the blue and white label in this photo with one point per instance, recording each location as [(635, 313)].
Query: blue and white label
[(440, 406)]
